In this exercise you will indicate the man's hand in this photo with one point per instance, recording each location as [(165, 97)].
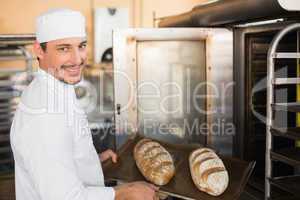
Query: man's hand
[(136, 191), (107, 155)]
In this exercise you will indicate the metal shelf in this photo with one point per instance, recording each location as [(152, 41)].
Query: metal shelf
[(7, 161), (286, 81), (7, 110), (5, 149), (289, 156), (11, 70), (291, 133), (6, 116), (17, 40), (286, 55), (11, 85), (6, 83), (4, 138), (5, 127), (284, 198), (289, 184), (291, 107), (13, 58), (8, 104), (9, 95)]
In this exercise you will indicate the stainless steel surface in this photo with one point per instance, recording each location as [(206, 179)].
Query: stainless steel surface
[(242, 112), (286, 55), (169, 73), (5, 83), (146, 60), (225, 12), (10, 52), (5, 149), (97, 98), (270, 101), (17, 37), (28, 59), (9, 95), (181, 185), (11, 69), (9, 58), (16, 40), (12, 83), (286, 81), (220, 78), (4, 138), (7, 104)]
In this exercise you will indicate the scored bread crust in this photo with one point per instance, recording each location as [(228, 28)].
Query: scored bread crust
[(208, 171), (154, 161)]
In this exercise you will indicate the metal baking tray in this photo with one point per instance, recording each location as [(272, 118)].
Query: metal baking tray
[(181, 185)]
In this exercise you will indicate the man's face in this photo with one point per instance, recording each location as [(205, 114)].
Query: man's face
[(64, 58)]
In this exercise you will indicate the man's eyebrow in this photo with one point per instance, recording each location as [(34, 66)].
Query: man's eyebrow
[(69, 45), (63, 45)]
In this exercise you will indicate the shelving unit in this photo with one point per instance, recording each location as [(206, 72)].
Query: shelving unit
[(290, 156), (12, 48)]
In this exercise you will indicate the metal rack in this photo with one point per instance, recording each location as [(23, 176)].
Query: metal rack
[(12, 82), (290, 156)]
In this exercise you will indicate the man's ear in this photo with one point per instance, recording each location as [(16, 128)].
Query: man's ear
[(37, 49)]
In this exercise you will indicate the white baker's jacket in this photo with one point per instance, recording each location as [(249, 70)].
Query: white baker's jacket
[(52, 145)]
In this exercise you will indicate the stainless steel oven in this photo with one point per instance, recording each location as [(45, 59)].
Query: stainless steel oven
[(254, 24), (167, 85)]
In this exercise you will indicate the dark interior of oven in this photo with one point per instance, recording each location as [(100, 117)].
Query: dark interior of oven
[(251, 128)]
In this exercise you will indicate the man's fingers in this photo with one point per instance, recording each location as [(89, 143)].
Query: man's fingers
[(109, 154), (153, 187), (113, 155)]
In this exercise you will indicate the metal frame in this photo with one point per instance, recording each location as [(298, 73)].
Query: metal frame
[(125, 62), (219, 66), (224, 13), (13, 47), (239, 73), (270, 99)]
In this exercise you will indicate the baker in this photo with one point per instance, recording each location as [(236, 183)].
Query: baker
[(52, 145)]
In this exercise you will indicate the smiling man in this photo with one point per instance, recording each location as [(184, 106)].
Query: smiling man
[(52, 144)]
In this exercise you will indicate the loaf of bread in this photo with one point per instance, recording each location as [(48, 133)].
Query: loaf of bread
[(154, 161), (208, 171)]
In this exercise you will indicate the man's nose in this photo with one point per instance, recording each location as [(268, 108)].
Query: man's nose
[(76, 57)]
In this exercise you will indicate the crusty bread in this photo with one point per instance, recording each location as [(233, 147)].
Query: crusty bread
[(208, 171), (154, 161)]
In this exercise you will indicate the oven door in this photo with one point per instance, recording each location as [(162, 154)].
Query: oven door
[(174, 85)]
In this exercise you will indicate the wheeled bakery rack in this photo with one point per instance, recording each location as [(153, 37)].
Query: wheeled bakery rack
[(290, 156)]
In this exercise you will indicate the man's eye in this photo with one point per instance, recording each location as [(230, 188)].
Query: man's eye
[(82, 46), (63, 49)]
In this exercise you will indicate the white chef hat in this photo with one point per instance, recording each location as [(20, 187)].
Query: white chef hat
[(59, 24)]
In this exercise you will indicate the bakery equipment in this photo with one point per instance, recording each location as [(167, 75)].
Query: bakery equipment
[(181, 185), (174, 85), (15, 74), (167, 81), (253, 24)]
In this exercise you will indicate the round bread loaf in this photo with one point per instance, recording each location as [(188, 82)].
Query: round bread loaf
[(208, 171), (154, 162)]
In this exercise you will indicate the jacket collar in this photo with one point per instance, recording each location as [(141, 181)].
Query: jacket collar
[(61, 96)]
